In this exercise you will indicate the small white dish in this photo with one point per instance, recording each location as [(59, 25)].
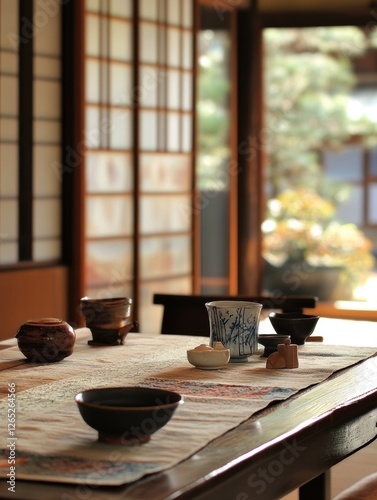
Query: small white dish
[(206, 357)]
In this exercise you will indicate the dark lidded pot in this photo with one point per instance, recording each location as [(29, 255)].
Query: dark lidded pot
[(46, 340)]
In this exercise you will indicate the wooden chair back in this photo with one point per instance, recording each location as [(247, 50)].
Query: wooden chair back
[(187, 314)]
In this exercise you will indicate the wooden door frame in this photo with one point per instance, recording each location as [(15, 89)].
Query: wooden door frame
[(73, 153), (250, 150)]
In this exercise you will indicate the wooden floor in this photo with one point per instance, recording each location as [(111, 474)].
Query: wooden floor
[(349, 471)]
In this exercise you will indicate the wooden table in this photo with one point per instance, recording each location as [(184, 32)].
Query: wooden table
[(286, 446)]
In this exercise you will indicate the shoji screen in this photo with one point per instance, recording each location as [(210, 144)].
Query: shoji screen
[(139, 161), (165, 146), (109, 252), (46, 179), (34, 273), (8, 134), (30, 132)]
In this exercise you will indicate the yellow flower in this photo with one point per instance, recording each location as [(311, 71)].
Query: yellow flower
[(299, 227)]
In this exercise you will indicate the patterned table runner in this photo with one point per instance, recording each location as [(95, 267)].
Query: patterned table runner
[(54, 443)]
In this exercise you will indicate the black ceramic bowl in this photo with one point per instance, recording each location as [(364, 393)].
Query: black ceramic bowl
[(270, 341), (127, 415), (298, 326)]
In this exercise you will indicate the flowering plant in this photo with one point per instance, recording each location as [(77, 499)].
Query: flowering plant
[(300, 227)]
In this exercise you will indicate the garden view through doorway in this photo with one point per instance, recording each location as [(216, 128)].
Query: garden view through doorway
[(320, 172)]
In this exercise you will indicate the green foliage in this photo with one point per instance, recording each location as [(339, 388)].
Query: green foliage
[(308, 84), (213, 111)]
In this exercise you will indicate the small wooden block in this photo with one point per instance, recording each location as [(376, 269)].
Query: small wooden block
[(285, 357)]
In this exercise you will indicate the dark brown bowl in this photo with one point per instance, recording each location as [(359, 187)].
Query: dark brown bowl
[(127, 415), (297, 325), (270, 341)]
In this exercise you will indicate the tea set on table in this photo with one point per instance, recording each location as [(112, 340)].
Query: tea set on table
[(234, 328), (115, 412)]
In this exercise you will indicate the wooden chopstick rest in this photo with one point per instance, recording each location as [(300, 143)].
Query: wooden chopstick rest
[(315, 338)]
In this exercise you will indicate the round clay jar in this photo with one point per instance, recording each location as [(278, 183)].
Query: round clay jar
[(46, 340)]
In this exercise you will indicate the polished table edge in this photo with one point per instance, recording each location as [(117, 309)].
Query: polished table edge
[(319, 426), (327, 413)]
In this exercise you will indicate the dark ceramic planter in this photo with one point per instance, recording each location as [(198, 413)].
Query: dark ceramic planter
[(299, 278)]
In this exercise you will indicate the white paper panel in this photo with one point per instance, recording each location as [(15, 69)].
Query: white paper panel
[(161, 44), (92, 81), (9, 129), (46, 99), (121, 91), (165, 256), (148, 43), (46, 218), (186, 121), (109, 172), (104, 82), (46, 249), (173, 10), (109, 262), (120, 40), (47, 131), (174, 131), (174, 89), (120, 129), (8, 170), (9, 62), (46, 20), (47, 67), (92, 127), (174, 47), (109, 216), (162, 88), (148, 9), (92, 35), (8, 95), (187, 91), (150, 83), (92, 5), (8, 220), (121, 8), (148, 130), (187, 13), (9, 25), (187, 62), (46, 182), (167, 173), (8, 253), (160, 214)]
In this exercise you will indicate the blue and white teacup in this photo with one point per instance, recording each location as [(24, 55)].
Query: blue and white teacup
[(235, 324)]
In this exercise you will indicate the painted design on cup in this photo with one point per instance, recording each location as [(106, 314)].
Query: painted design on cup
[(235, 324)]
